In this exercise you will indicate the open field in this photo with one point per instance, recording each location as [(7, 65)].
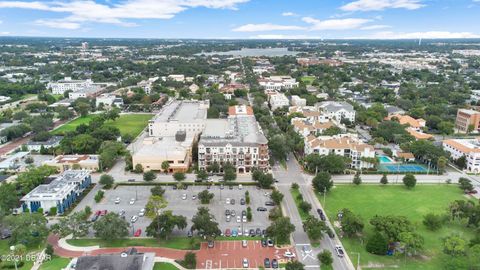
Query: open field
[(369, 200), (131, 124), (307, 79), (55, 263), (164, 266)]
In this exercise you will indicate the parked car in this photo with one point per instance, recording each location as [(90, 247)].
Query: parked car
[(240, 187), (228, 218), (131, 180), (227, 212), (194, 197), (244, 213), (142, 212), (117, 200), (252, 232), (184, 196), (239, 219), (234, 232), (174, 187), (227, 200), (264, 242), (289, 254), (269, 203), (121, 213), (230, 187), (266, 263), (221, 186), (242, 201), (330, 233), (258, 232), (244, 219), (244, 243), (274, 263), (94, 218), (209, 186), (137, 233), (132, 201), (228, 233), (270, 242), (210, 244), (185, 187), (134, 219), (339, 251), (233, 213), (189, 233), (103, 213), (321, 214), (232, 201), (245, 233), (261, 209), (240, 233), (245, 263), (264, 232)]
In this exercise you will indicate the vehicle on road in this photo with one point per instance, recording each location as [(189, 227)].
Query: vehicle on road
[(142, 212), (289, 254), (261, 209), (339, 251), (132, 201), (121, 213), (321, 214), (244, 243), (117, 200), (245, 263), (330, 233), (134, 219), (269, 203), (194, 197), (266, 263), (137, 233)]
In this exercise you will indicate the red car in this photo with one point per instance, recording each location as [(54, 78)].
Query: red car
[(137, 233), (103, 212), (227, 232), (97, 213)]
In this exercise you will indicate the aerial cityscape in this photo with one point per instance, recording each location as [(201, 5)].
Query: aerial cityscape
[(239, 134)]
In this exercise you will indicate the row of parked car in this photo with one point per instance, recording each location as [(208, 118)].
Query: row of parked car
[(266, 263), (238, 232)]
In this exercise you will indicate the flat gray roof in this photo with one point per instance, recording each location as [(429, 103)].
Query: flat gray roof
[(182, 111)]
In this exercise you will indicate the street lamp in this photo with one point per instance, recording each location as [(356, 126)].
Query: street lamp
[(12, 248), (358, 260)]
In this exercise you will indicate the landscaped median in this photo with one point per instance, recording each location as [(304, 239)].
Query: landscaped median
[(297, 196), (182, 243), (366, 201)]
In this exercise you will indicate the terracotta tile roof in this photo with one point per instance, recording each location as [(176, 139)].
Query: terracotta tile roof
[(407, 120), (405, 155), (461, 147), (419, 135), (340, 143)]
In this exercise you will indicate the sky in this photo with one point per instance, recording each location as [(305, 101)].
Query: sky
[(242, 19)]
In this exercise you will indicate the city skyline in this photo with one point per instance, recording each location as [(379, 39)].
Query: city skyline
[(242, 19)]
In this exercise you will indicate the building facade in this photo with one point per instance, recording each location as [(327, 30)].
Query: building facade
[(68, 162), (467, 119), (67, 84), (278, 82), (337, 110), (61, 193), (469, 148)]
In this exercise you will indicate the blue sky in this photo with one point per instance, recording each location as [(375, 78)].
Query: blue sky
[(242, 18)]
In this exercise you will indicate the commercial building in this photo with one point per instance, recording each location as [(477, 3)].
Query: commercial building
[(469, 148), (346, 145), (337, 110), (67, 84), (61, 192), (109, 100), (171, 135), (127, 260), (278, 82), (68, 162), (237, 140), (466, 119)]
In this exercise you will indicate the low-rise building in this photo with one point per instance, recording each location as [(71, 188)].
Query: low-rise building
[(52, 142), (278, 100), (61, 192), (278, 82), (109, 100), (298, 101), (176, 77), (467, 121), (68, 162), (238, 140), (415, 124), (337, 110), (127, 260), (305, 128), (468, 148), (67, 84), (147, 85), (346, 145)]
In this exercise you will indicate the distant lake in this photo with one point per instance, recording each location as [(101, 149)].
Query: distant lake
[(245, 52)]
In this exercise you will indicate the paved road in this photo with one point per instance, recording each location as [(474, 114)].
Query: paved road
[(294, 174)]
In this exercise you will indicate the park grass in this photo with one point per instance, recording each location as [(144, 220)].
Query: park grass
[(132, 124), (182, 243), (307, 79), (164, 266), (55, 263), (369, 200), (295, 192), (5, 250)]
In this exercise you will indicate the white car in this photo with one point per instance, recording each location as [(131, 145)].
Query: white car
[(134, 219), (339, 251), (227, 201), (117, 200), (184, 196), (194, 197), (142, 212), (244, 243), (244, 219), (289, 254), (132, 201), (245, 263), (239, 219), (246, 233), (240, 233), (240, 187)]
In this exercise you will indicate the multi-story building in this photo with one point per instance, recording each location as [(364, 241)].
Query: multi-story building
[(337, 110), (68, 162), (61, 193), (171, 135), (237, 140), (466, 119), (305, 128), (346, 145), (67, 84), (298, 101), (278, 82), (469, 148), (415, 124), (108, 100), (278, 100)]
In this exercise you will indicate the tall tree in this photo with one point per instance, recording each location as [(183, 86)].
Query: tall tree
[(322, 182), (205, 223), (111, 227), (162, 225), (281, 229), (28, 228)]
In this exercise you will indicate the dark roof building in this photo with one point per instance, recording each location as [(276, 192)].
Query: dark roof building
[(128, 260)]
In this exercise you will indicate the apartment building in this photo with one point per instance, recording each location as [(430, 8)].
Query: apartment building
[(61, 193), (337, 110), (305, 128), (467, 118), (470, 148), (67, 84), (415, 124), (298, 101), (238, 140), (278, 82), (346, 145), (278, 100)]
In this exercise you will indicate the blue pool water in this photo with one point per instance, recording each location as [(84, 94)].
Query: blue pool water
[(384, 159)]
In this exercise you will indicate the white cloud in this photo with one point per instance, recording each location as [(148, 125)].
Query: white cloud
[(80, 11), (335, 24), (289, 14), (268, 36), (265, 27), (368, 5), (375, 27), (418, 35), (4, 33), (58, 24)]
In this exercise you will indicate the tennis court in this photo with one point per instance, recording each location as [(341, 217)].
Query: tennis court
[(403, 168)]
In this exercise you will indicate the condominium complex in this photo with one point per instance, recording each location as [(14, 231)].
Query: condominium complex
[(278, 100), (337, 110), (171, 135), (278, 82), (469, 148), (466, 119), (61, 193), (237, 140), (67, 84), (415, 124), (346, 145)]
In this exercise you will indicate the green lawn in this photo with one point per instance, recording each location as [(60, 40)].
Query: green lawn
[(127, 123), (368, 200), (164, 266), (295, 193), (5, 250), (55, 263), (307, 79), (175, 243)]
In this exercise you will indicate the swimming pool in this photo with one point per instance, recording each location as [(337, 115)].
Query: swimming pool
[(385, 159), (403, 168)]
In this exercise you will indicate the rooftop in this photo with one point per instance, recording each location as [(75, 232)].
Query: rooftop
[(183, 111), (128, 260)]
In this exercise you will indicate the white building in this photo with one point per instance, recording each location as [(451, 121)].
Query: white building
[(53, 141), (147, 85), (237, 140), (278, 82), (61, 193), (337, 110), (298, 101), (470, 148), (278, 100), (67, 84), (108, 100), (176, 77), (346, 145)]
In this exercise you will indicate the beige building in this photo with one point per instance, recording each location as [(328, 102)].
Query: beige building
[(466, 118), (75, 162)]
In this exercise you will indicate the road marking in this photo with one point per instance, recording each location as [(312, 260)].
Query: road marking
[(208, 264)]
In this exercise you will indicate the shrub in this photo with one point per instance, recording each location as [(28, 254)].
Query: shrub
[(409, 180), (149, 176), (106, 180), (295, 186), (377, 244), (99, 196), (433, 222), (53, 211)]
